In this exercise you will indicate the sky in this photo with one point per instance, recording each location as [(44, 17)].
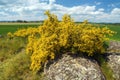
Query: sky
[(31, 10)]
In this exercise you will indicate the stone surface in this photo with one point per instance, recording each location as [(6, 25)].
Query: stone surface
[(114, 63), (114, 58), (114, 47), (70, 68)]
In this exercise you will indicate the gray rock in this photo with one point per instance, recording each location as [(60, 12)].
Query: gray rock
[(70, 68), (114, 47), (114, 58), (114, 63)]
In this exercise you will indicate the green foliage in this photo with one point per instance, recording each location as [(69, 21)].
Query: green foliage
[(10, 47), (54, 37), (115, 28), (14, 66), (17, 68), (106, 70), (7, 27), (14, 63)]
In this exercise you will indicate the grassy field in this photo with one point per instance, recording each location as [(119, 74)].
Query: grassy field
[(12, 27), (115, 28)]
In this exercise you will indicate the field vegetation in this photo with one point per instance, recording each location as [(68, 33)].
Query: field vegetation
[(116, 28), (12, 27)]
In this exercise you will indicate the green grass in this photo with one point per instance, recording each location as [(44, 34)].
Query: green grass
[(14, 62), (12, 27), (106, 70), (115, 28)]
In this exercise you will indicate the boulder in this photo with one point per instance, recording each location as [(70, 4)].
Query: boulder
[(114, 58), (114, 63), (74, 68)]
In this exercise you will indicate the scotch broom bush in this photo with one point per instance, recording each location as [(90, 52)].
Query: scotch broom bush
[(54, 37)]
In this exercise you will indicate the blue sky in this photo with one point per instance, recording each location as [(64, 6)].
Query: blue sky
[(106, 4), (92, 10)]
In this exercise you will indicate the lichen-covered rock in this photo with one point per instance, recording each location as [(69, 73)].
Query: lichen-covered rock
[(114, 58), (114, 63), (114, 47), (70, 68)]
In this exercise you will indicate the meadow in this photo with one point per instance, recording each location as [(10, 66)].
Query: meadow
[(12, 27), (114, 27)]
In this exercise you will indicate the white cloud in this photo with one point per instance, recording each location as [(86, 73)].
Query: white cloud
[(34, 10), (114, 5), (97, 3), (52, 2), (3, 14), (116, 11)]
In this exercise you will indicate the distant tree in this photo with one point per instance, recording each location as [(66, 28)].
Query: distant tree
[(19, 21)]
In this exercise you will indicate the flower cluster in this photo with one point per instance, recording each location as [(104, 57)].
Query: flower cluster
[(57, 37)]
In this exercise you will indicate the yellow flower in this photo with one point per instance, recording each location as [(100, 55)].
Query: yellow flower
[(54, 37)]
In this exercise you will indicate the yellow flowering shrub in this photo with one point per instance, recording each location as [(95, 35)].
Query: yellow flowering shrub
[(26, 32), (54, 37)]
